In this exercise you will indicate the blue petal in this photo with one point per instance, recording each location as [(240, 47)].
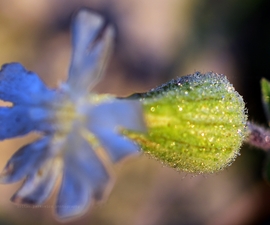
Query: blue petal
[(42, 118), (25, 160), (22, 119), (117, 146), (116, 114), (83, 159), (28, 93), (74, 195), (20, 86), (14, 121), (92, 43), (39, 183)]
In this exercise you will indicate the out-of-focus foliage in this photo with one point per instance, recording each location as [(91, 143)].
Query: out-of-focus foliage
[(266, 97)]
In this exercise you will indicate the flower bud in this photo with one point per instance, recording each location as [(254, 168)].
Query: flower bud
[(196, 123)]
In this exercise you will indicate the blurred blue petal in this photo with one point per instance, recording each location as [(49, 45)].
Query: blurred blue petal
[(28, 94), (92, 44), (74, 196), (39, 183), (20, 86), (117, 146), (82, 158), (25, 160), (15, 121), (116, 114), (43, 118)]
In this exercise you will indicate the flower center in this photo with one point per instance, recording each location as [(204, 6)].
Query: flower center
[(67, 114), (73, 115)]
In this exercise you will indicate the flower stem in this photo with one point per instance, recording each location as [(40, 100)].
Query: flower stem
[(258, 136)]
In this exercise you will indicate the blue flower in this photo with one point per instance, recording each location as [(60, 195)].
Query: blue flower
[(81, 131)]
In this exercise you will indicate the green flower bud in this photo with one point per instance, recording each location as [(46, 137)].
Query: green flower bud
[(196, 123)]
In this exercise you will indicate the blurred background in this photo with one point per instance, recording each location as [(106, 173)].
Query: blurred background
[(156, 41)]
